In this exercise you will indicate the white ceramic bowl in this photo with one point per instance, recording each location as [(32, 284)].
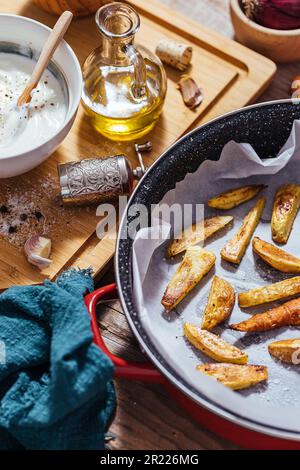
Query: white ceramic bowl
[(29, 33)]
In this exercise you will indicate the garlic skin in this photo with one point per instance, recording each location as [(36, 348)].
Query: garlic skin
[(192, 94), (37, 250), (295, 87)]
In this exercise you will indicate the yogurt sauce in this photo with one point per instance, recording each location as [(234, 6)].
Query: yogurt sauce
[(22, 129)]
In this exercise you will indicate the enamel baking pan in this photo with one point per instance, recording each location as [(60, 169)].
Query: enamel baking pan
[(266, 127)]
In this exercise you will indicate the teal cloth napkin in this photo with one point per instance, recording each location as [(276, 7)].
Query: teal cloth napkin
[(55, 384)]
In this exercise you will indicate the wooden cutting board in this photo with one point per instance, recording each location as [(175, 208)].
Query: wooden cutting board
[(230, 75)]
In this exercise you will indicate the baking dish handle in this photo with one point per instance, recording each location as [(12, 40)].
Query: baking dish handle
[(143, 371)]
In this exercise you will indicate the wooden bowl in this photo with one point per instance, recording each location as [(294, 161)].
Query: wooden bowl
[(278, 45), (82, 8)]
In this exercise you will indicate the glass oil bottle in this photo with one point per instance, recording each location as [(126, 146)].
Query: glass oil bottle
[(124, 84)]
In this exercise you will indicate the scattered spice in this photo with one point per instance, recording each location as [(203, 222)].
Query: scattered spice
[(20, 202), (192, 95), (38, 215), (3, 209)]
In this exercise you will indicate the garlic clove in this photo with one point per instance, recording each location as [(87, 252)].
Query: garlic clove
[(37, 250), (191, 93), (295, 87)]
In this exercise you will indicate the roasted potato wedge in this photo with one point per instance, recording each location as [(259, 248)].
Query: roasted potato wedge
[(220, 303), (235, 248), (276, 257), (235, 376), (285, 208), (287, 314), (235, 197), (195, 264), (270, 293), (197, 233), (287, 350), (213, 346)]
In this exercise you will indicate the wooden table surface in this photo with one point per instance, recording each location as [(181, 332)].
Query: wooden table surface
[(146, 417)]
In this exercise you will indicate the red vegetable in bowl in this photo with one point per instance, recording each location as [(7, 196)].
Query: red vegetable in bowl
[(295, 87), (275, 14)]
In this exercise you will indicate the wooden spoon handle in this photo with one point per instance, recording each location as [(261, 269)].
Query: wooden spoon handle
[(48, 50)]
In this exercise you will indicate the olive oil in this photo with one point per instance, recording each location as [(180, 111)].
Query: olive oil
[(125, 128)]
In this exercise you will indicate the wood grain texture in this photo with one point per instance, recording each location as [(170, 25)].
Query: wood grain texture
[(169, 427), (230, 75), (215, 15), (78, 8)]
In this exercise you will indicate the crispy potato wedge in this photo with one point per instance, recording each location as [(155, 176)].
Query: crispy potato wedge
[(270, 293), (235, 376), (197, 233), (285, 208), (220, 303), (287, 350), (213, 346), (287, 314), (276, 257), (235, 248), (195, 264), (235, 197)]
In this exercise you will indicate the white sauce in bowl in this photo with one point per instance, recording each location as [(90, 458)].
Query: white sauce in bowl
[(22, 130)]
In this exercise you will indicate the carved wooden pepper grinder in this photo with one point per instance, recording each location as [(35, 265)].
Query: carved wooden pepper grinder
[(96, 180)]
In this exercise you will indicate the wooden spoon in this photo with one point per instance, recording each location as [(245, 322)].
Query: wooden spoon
[(48, 50)]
